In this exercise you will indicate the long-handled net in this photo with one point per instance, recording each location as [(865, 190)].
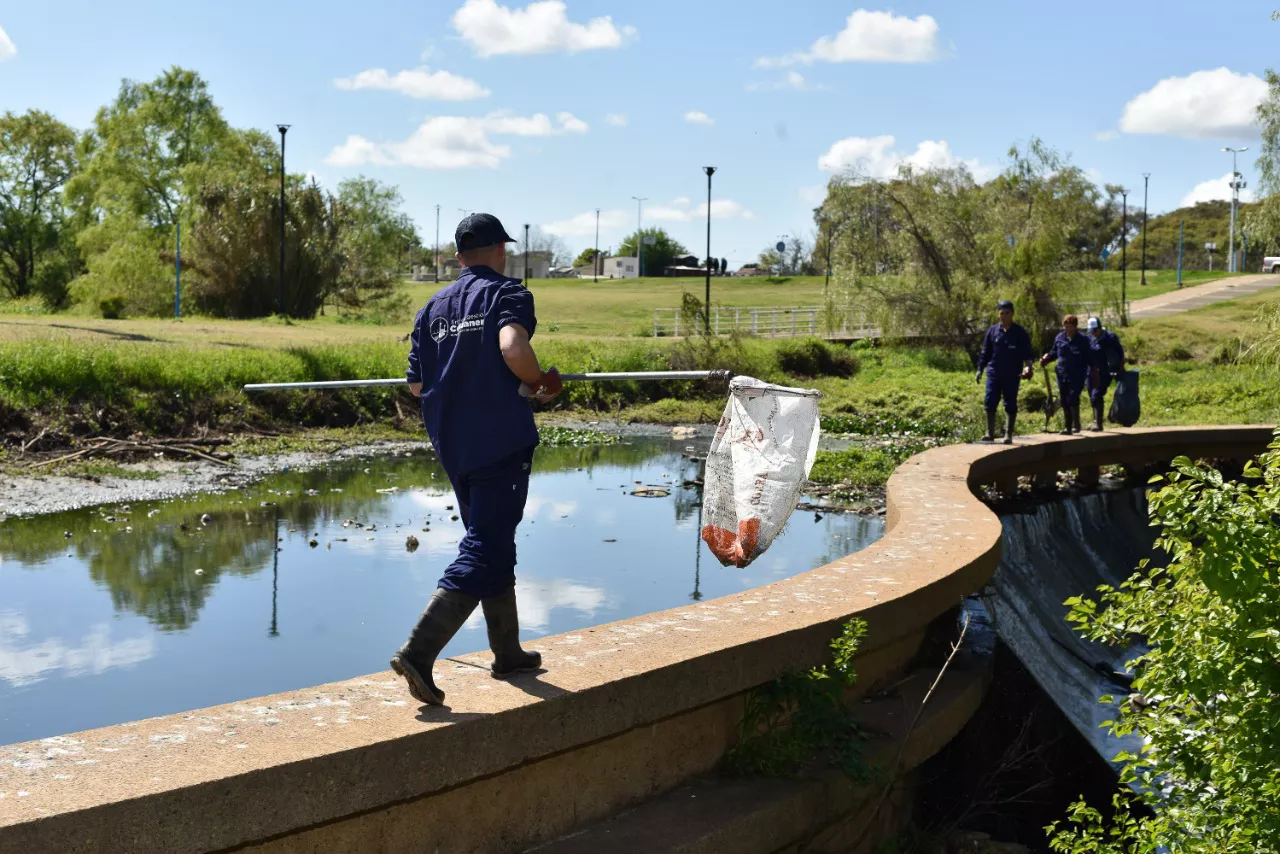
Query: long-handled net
[(759, 459)]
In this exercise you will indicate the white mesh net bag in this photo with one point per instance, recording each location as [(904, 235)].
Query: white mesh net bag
[(759, 460)]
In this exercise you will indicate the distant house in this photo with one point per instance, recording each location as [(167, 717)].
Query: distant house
[(539, 265), (751, 270), (621, 267), (563, 273), (686, 261), (683, 270)]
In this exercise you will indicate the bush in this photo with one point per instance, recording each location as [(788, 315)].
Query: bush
[(1178, 353), (112, 308), (1032, 398), (812, 357)]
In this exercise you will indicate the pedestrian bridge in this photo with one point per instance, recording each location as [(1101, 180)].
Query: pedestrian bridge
[(627, 715)]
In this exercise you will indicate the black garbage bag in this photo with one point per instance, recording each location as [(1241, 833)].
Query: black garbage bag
[(1126, 408)]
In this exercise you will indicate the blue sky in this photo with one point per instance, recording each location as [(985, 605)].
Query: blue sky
[(544, 112)]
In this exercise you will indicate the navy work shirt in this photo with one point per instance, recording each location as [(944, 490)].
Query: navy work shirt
[(1073, 355), (1004, 351), (1108, 355), (471, 404)]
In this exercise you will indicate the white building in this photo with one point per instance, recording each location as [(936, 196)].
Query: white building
[(539, 265), (621, 267)]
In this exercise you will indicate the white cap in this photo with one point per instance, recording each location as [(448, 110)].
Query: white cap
[(1093, 323)]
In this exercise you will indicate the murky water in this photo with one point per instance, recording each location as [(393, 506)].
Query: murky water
[(146, 611)]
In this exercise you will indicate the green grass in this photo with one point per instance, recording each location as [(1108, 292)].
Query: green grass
[(1102, 284)]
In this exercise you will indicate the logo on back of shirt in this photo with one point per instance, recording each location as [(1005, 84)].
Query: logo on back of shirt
[(439, 329)]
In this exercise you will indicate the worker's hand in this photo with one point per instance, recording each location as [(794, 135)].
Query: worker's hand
[(1044, 360), (548, 387), (1026, 372), (979, 377)]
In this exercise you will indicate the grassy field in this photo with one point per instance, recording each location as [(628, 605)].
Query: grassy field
[(1158, 282), (80, 377)]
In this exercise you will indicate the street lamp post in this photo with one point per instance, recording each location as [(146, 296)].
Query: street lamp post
[(595, 259), (640, 200), (710, 170), (1236, 185), (280, 305), (1124, 264), (1146, 176), (526, 254)]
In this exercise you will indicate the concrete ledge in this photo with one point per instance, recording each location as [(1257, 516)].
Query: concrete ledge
[(270, 768)]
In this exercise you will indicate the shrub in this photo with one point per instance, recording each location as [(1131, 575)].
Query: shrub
[(812, 357), (112, 307), (1178, 353), (1032, 398)]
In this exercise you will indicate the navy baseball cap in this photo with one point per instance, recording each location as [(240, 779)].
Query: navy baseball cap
[(477, 231), (1003, 304)]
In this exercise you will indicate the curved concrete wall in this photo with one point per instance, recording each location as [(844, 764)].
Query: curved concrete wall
[(625, 710)]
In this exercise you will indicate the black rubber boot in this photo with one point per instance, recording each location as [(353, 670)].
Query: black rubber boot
[(1075, 417), (503, 623), (1067, 421), (1097, 418), (1009, 427), (440, 621), (991, 428)]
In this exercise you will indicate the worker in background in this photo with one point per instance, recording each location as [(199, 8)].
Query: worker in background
[(1006, 361), (1107, 365), (469, 356), (1072, 353)]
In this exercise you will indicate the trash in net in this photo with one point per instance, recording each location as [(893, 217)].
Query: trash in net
[(759, 460)]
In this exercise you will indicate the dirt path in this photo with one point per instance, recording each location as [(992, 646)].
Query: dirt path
[(1186, 299)]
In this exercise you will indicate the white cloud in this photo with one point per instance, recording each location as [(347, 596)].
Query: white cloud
[(7, 48), (875, 157), (618, 120), (698, 117), (453, 142), (870, 37), (540, 27), (681, 210), (1105, 135), (1216, 189), (97, 653), (792, 81), (417, 83), (584, 224), (1206, 104), (571, 123)]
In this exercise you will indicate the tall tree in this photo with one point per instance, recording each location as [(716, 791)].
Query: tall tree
[(37, 157), (1262, 223), (152, 145), (376, 237), (661, 254)]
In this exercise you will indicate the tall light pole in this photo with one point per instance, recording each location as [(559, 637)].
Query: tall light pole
[(710, 170), (281, 310), (640, 200), (1146, 176), (1124, 268), (595, 259), (526, 254), (437, 244), (1236, 185)]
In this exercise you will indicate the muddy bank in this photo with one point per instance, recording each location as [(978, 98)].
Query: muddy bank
[(25, 493)]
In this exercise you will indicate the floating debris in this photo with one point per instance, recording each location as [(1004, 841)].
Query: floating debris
[(453, 518), (411, 543), (67, 535), (651, 492), (199, 572), (610, 540), (206, 519), (389, 490), (313, 543)]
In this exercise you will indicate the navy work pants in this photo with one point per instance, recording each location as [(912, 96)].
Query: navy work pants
[(491, 504), (1069, 391), (1005, 388), (1098, 388)]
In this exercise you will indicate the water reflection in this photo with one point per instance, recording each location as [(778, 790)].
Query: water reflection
[(305, 578)]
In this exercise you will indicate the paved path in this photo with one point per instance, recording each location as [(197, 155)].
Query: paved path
[(1194, 297)]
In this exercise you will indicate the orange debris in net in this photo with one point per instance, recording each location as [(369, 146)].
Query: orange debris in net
[(737, 549)]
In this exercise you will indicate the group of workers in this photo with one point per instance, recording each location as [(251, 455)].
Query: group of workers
[(1083, 361)]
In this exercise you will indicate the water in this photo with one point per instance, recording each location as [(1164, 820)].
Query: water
[(155, 613), (1052, 552)]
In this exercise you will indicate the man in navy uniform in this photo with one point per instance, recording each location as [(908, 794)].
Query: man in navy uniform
[(1107, 364), (1071, 351), (1006, 361), (469, 356)]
